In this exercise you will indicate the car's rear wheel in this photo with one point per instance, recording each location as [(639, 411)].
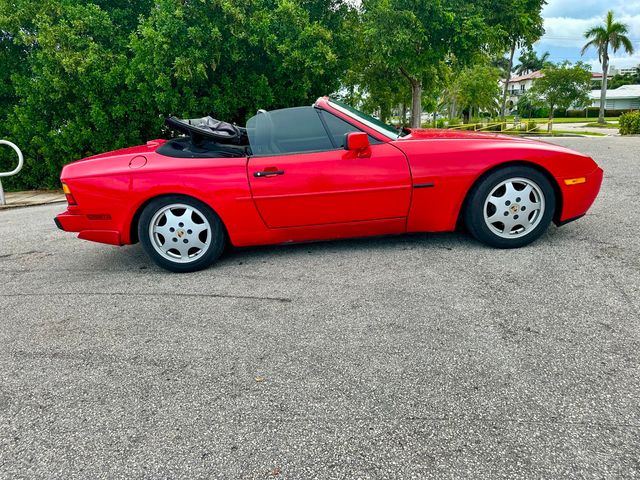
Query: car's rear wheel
[(181, 234), (511, 207)]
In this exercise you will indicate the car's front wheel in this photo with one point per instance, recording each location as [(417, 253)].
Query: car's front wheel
[(511, 207), (181, 234)]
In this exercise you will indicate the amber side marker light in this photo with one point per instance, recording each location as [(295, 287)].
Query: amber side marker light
[(575, 181), (67, 193)]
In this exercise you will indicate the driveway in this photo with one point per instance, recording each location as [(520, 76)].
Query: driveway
[(424, 356)]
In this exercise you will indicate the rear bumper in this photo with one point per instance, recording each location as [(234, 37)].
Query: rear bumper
[(92, 230)]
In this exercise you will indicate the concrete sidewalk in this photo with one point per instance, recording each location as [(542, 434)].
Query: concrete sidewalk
[(32, 197), (611, 132)]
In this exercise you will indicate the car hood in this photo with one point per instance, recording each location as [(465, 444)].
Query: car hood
[(480, 140), (441, 133)]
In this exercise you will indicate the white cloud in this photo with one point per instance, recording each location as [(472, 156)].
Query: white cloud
[(564, 35), (567, 31), (589, 8)]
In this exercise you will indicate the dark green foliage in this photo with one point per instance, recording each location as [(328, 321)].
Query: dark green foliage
[(630, 123), (79, 78), (591, 112), (84, 77)]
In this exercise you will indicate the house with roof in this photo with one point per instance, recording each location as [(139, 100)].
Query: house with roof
[(626, 97)]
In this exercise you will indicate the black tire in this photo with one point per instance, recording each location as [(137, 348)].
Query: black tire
[(206, 246), (480, 209)]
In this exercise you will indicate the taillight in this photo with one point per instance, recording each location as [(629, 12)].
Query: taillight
[(67, 193)]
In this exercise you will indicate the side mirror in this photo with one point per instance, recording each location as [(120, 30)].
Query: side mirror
[(356, 141)]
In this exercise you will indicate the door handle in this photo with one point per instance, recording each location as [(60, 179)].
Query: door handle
[(268, 173)]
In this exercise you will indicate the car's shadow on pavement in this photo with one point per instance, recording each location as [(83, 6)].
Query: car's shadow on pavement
[(133, 258), (389, 243)]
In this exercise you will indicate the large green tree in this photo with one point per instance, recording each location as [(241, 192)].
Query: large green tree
[(413, 38), (522, 25), (561, 87), (476, 89), (416, 38), (611, 35)]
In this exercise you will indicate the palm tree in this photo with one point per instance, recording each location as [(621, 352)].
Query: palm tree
[(530, 62), (611, 34)]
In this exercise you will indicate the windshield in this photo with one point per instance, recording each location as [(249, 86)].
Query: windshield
[(380, 127)]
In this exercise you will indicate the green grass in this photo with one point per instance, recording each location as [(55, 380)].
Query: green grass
[(570, 132)]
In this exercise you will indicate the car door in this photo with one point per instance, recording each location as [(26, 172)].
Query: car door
[(300, 176)]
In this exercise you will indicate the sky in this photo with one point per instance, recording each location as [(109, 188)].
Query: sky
[(565, 22)]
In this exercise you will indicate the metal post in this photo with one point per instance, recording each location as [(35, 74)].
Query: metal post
[(12, 172)]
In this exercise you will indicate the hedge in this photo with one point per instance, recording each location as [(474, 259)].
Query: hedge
[(630, 123)]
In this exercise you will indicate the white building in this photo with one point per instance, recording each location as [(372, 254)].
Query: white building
[(626, 97), (623, 71)]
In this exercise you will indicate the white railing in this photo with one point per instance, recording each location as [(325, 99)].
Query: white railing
[(12, 172)]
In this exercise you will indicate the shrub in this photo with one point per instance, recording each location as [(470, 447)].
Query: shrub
[(630, 123)]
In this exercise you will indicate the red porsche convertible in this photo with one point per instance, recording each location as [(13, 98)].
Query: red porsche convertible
[(316, 173)]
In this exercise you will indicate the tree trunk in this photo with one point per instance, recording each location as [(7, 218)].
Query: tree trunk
[(503, 110), (404, 114), (416, 98), (603, 91), (416, 103)]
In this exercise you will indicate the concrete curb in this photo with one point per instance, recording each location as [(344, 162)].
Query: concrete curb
[(32, 198)]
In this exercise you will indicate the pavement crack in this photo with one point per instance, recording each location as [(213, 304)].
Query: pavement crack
[(163, 294)]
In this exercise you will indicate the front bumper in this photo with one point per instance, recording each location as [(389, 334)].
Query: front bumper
[(577, 199), (88, 229)]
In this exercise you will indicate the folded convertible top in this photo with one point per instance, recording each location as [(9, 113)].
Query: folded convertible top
[(207, 128)]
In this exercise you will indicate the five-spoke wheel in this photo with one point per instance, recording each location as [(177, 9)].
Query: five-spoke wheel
[(510, 207), (180, 233)]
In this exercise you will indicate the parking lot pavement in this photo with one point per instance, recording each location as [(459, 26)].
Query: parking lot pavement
[(423, 356)]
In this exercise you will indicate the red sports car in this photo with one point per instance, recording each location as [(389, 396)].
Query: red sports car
[(316, 173)]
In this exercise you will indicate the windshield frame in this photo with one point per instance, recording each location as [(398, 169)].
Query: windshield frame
[(382, 128)]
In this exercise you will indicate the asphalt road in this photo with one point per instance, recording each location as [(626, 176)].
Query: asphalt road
[(424, 356)]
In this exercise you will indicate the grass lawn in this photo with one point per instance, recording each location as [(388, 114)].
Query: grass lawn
[(566, 120), (573, 132)]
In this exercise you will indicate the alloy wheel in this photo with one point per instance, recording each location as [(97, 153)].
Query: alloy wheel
[(180, 233), (514, 208)]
